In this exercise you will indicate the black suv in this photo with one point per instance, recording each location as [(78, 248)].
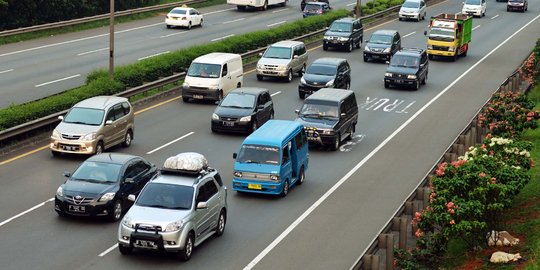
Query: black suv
[(408, 67), (346, 33), (325, 72)]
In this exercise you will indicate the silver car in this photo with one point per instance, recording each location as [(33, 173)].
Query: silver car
[(176, 211), (413, 10), (283, 59), (93, 125)]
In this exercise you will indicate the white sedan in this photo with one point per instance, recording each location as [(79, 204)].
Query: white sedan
[(184, 16)]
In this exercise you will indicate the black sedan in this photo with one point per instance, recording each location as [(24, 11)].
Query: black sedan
[(243, 110), (101, 184)]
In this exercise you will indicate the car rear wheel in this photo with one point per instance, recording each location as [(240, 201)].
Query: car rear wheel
[(128, 138), (285, 189), (185, 253), (124, 250), (116, 211), (425, 79), (359, 44), (220, 95), (348, 85), (201, 23), (220, 228), (265, 6)]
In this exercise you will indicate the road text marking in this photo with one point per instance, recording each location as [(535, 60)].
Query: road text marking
[(59, 80), (169, 143)]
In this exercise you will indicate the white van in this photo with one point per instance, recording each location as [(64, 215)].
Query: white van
[(213, 75), (260, 4)]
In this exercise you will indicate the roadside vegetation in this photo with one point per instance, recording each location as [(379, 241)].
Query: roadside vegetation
[(101, 23), (494, 186)]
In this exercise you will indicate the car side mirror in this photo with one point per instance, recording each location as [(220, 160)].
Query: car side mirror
[(387, 62), (129, 180), (131, 197), (260, 54), (326, 28), (422, 65), (217, 102), (260, 107), (343, 114), (108, 122), (234, 155), (61, 118), (202, 205), (297, 111), (67, 174), (425, 32), (295, 57)]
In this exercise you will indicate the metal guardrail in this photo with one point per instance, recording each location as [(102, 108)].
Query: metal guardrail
[(93, 18), (10, 133)]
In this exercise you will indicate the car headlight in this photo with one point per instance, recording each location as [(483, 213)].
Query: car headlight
[(175, 226), (282, 68), (127, 221), (430, 47), (260, 66), (245, 118), (107, 197), (387, 50), (215, 116), (60, 192), (326, 37), (388, 74), (238, 174), (367, 49), (330, 83), (274, 177), (185, 85), (56, 134), (450, 49), (302, 80), (89, 137), (412, 77), (213, 87)]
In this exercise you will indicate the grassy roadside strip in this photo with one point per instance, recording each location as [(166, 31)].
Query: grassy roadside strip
[(100, 23)]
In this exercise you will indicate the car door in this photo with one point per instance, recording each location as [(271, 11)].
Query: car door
[(423, 9), (484, 6), (205, 218), (424, 65), (228, 83), (129, 187), (303, 56), (197, 16), (120, 122), (109, 129), (286, 164), (396, 45), (295, 61)]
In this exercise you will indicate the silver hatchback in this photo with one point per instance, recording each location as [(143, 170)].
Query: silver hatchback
[(176, 211)]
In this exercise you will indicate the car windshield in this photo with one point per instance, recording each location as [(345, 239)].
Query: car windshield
[(340, 27), (472, 2), (317, 69), (441, 34), (204, 70), (380, 39), (404, 61), (166, 196), (84, 116), (235, 100), (178, 11), (313, 8), (258, 154), (517, 1), (319, 110), (97, 172), (411, 4), (278, 52)]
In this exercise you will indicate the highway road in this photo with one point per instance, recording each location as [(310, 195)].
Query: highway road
[(35, 69), (348, 194)]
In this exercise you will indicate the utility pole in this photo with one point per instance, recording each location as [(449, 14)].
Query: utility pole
[(358, 8), (111, 40)]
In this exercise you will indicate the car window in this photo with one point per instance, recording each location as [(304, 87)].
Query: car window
[(225, 70), (302, 49), (342, 108), (218, 179), (380, 39), (118, 111), (136, 168), (126, 107), (237, 100), (278, 52), (299, 140), (285, 157), (411, 4), (319, 110), (168, 196), (85, 116), (258, 154), (110, 115), (340, 27), (404, 61), (318, 69), (206, 191), (178, 11), (267, 97), (97, 172), (204, 70)]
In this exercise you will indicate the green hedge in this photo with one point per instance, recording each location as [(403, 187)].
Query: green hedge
[(160, 66)]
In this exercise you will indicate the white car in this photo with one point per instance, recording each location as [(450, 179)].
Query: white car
[(413, 9), (474, 8), (184, 17)]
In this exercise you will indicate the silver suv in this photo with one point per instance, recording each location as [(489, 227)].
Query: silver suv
[(185, 205), (93, 125), (283, 59)]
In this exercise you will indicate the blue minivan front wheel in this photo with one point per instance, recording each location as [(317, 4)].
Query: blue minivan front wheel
[(301, 176), (285, 189)]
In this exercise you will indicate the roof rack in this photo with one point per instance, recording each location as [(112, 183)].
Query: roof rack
[(190, 163)]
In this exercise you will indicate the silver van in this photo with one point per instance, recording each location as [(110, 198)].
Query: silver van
[(93, 125), (283, 59)]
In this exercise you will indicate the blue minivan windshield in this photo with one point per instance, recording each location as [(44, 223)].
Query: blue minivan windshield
[(258, 154)]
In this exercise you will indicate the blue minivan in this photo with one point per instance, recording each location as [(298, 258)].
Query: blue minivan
[(272, 159)]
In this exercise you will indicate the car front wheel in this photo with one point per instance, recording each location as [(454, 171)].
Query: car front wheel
[(220, 228), (124, 250), (185, 253), (116, 212)]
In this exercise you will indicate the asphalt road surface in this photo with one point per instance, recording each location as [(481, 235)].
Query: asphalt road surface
[(348, 194)]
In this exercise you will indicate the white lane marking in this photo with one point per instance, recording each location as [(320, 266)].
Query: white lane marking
[(108, 250), (273, 24), (351, 4), (291, 227), (25, 212), (173, 34), (6, 71), (63, 79), (279, 10), (409, 34), (216, 39), (276, 93), (169, 143), (142, 58), (237, 20), (476, 27), (89, 52), (495, 16), (219, 11)]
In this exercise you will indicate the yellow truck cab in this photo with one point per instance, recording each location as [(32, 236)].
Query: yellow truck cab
[(449, 35)]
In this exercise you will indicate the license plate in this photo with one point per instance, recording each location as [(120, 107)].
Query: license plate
[(375, 56), (198, 96), (228, 124), (255, 186), (145, 244), (68, 148), (77, 208), (399, 81)]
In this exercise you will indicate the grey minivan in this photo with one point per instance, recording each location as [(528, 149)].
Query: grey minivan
[(283, 59), (382, 45), (93, 125)]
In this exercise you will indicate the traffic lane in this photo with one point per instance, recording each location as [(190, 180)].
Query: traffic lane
[(359, 214)]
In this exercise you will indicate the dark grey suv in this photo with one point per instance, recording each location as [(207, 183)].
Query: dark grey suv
[(345, 33), (408, 67), (325, 72), (382, 45)]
